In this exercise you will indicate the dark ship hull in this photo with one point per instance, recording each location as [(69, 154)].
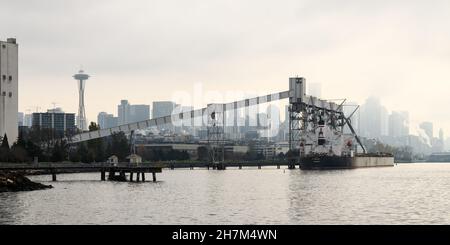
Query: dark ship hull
[(324, 162)]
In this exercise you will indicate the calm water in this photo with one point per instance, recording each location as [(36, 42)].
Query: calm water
[(405, 194)]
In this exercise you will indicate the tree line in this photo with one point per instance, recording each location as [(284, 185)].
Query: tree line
[(48, 146)]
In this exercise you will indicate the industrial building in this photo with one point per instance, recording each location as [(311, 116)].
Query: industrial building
[(9, 100)]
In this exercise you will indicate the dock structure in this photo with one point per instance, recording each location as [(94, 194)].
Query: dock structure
[(224, 165), (116, 172)]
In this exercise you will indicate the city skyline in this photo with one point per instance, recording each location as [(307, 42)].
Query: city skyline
[(399, 62), (349, 108)]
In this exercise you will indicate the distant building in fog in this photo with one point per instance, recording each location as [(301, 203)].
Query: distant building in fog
[(428, 128), (139, 113), (399, 124), (123, 111), (374, 119)]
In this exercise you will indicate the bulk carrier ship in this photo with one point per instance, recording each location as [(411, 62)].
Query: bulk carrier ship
[(339, 153), (317, 134)]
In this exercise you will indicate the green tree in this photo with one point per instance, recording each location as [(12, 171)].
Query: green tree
[(96, 148), (5, 143), (18, 150), (202, 153), (5, 153), (119, 146), (59, 151), (82, 152)]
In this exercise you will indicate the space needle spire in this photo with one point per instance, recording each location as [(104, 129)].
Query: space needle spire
[(81, 77)]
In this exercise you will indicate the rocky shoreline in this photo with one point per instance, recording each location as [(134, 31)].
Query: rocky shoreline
[(14, 181)]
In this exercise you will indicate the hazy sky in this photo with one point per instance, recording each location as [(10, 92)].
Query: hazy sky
[(143, 50)]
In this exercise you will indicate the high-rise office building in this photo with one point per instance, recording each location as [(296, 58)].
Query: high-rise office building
[(123, 112), (128, 113), (139, 113), (399, 124), (61, 122), (428, 128), (20, 118), (9, 89), (373, 119), (28, 120), (105, 120), (162, 108)]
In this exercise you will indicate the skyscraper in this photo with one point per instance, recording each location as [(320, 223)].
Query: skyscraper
[(9, 71), (28, 120), (139, 113), (105, 120), (162, 108), (428, 128), (373, 120), (55, 119), (128, 113), (20, 117), (123, 112), (399, 124)]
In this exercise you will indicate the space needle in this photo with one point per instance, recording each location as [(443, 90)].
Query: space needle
[(81, 77)]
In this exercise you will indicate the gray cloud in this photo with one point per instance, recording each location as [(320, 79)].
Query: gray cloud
[(355, 48)]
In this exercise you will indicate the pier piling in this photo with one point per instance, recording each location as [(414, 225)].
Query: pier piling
[(53, 175), (103, 177)]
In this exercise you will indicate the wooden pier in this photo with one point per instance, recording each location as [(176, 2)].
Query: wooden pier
[(116, 172), (227, 164)]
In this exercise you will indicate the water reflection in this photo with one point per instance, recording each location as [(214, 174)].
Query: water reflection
[(407, 194)]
